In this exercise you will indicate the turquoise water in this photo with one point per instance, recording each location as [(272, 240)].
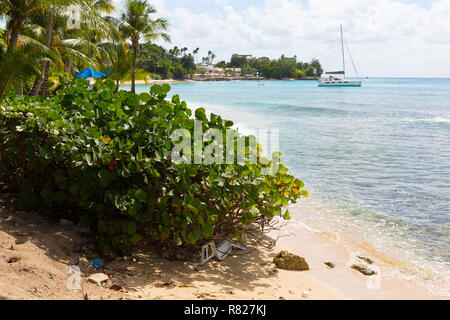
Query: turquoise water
[(376, 159)]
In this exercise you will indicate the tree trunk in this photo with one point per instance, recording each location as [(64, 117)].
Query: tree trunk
[(117, 86), (69, 67), (46, 65), (16, 29), (133, 71), (36, 86), (45, 81)]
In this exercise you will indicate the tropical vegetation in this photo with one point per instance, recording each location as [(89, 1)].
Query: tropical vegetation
[(101, 156), (105, 159), (281, 68), (55, 39)]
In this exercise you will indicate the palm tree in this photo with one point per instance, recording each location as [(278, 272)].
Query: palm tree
[(211, 56), (56, 17), (19, 65), (118, 60), (17, 12), (136, 23)]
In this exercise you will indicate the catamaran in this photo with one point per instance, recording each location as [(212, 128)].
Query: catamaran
[(337, 78)]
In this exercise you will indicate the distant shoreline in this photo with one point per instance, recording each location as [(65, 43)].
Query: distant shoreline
[(217, 79)]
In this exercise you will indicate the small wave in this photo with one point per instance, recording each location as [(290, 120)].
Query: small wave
[(432, 120)]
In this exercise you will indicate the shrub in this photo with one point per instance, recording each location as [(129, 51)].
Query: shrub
[(105, 159)]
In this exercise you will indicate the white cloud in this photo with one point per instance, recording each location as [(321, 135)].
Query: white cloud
[(386, 37)]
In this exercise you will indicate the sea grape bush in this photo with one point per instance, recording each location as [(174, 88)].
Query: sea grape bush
[(104, 159)]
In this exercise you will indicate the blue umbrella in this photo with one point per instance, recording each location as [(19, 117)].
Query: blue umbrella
[(90, 73)]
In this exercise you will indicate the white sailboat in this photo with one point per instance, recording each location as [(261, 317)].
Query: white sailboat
[(337, 78)]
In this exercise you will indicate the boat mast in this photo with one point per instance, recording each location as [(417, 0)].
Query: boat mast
[(343, 52)]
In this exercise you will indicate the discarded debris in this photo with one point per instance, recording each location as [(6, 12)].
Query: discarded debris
[(21, 241), (96, 263), (98, 278), (306, 294), (210, 250)]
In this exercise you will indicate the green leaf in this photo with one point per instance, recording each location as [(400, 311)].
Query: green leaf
[(287, 215), (207, 230), (145, 97), (192, 208), (141, 195), (254, 212), (200, 114), (229, 123)]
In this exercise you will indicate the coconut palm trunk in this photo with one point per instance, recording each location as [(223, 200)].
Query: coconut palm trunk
[(137, 23), (133, 71), (38, 83), (17, 21), (69, 66)]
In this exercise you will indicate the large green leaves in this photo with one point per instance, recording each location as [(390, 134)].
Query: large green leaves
[(108, 156)]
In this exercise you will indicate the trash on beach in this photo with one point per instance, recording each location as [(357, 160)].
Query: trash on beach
[(210, 250), (98, 278), (224, 249), (96, 263), (306, 294)]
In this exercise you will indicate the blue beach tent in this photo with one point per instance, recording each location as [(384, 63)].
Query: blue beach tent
[(90, 73)]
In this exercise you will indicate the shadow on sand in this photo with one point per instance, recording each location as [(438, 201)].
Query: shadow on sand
[(144, 267)]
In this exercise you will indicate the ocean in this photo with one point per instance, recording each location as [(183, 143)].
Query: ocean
[(375, 159)]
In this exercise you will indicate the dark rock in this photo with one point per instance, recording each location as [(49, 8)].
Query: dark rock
[(330, 264), (289, 261), (13, 259), (367, 260), (363, 269)]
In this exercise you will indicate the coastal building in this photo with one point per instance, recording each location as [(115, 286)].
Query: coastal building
[(204, 68), (234, 72)]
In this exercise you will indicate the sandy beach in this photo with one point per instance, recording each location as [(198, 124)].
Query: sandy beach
[(150, 82), (35, 255)]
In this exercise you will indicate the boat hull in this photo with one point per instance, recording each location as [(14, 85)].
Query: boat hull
[(343, 83)]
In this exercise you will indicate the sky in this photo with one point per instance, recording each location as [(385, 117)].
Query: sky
[(386, 38), (392, 38)]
